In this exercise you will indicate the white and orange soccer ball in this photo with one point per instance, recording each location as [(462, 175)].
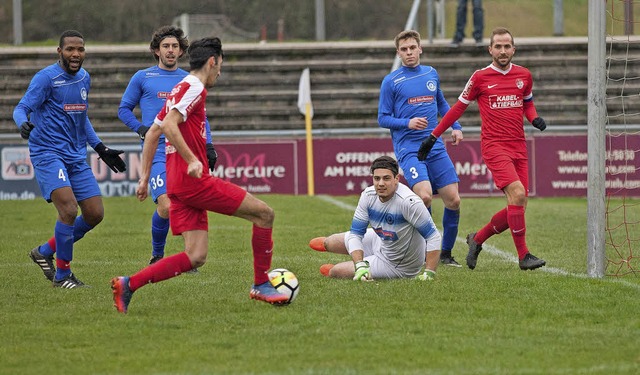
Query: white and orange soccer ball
[(285, 282)]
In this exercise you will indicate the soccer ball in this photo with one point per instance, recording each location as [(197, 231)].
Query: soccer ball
[(285, 282)]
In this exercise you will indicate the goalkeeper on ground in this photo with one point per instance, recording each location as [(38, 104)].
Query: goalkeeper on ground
[(401, 233)]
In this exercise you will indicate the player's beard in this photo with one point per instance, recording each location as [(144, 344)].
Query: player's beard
[(169, 64), (66, 65), (501, 65)]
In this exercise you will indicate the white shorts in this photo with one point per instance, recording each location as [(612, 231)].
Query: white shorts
[(379, 266)]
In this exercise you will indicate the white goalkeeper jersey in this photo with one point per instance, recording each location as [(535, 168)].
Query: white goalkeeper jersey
[(403, 224)]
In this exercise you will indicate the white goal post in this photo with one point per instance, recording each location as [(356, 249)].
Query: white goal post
[(596, 121)]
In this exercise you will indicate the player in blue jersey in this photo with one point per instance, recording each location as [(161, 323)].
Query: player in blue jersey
[(149, 88), (410, 102), (52, 115)]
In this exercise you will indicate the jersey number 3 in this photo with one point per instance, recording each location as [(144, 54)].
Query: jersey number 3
[(414, 172)]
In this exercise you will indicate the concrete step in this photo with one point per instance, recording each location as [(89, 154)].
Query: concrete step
[(258, 88)]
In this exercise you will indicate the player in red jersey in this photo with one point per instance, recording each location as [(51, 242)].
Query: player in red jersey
[(503, 93), (192, 193)]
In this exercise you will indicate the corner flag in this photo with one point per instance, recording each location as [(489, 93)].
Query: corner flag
[(304, 93), (305, 107)]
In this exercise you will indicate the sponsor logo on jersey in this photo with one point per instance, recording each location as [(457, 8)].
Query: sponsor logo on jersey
[(467, 88), (59, 82), (504, 101), (421, 99), (194, 103), (75, 107), (176, 89), (163, 94), (399, 79), (386, 235)]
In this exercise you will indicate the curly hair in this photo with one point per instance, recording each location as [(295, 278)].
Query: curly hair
[(167, 32)]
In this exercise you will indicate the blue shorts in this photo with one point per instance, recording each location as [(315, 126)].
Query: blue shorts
[(158, 180), (437, 169), (52, 173)]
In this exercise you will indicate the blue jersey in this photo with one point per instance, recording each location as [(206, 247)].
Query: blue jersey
[(407, 93), (56, 102), (149, 88)]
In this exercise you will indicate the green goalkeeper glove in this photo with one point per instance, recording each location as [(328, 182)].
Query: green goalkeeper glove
[(362, 271), (427, 275)]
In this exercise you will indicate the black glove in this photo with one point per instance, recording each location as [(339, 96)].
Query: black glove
[(539, 123), (142, 131), (111, 157), (426, 146), (25, 129), (212, 156)]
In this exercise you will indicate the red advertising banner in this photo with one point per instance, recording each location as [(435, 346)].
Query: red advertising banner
[(264, 167), (341, 166), (558, 166), (561, 165)]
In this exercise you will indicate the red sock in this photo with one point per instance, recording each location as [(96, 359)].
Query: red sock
[(262, 245), (63, 264), (52, 244), (497, 225), (515, 216), (163, 269)]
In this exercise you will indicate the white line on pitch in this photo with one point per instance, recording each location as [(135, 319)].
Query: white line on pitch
[(497, 252)]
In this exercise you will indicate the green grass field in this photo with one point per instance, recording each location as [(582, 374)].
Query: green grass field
[(493, 320)]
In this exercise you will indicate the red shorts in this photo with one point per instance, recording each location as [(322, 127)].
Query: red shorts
[(188, 210), (508, 162)]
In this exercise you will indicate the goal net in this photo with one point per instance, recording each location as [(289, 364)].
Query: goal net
[(622, 139)]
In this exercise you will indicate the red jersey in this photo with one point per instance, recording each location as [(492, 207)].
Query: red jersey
[(188, 97), (500, 96)]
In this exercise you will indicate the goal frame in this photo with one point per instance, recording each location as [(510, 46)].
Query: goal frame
[(596, 135)]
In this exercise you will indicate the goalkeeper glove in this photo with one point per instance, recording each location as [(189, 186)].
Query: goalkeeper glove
[(539, 123), (426, 147), (212, 156), (25, 129), (362, 271), (427, 275), (142, 131), (111, 157)]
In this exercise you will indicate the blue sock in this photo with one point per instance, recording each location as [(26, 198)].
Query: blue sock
[(159, 231), (64, 247), (450, 220), (46, 250), (80, 228)]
